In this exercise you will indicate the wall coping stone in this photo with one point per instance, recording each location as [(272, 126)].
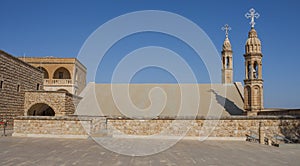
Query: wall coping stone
[(66, 118), (43, 91), (88, 118), (283, 117)]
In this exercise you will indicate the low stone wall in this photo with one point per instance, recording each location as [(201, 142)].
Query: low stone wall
[(227, 128), (280, 112), (63, 127)]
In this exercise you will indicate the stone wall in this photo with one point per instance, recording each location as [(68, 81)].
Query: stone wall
[(62, 103), (14, 73), (280, 112), (227, 128), (65, 127), (231, 127)]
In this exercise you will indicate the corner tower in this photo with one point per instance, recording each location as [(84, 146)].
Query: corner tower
[(227, 65), (253, 90)]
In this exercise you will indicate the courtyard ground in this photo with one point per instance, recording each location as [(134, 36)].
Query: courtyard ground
[(57, 151)]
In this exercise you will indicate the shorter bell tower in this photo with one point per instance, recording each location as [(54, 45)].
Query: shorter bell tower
[(253, 89), (227, 65)]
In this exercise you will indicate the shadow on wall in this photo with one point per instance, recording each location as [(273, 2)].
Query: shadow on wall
[(291, 131), (228, 105)]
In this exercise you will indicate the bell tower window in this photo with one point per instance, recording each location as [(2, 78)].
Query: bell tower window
[(227, 63)]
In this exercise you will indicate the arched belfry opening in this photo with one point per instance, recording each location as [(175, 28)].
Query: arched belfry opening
[(40, 109), (227, 62), (62, 73), (255, 70)]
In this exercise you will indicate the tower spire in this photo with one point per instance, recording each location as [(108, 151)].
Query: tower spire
[(227, 65), (253, 90)]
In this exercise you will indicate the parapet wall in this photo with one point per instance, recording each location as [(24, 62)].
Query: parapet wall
[(226, 128)]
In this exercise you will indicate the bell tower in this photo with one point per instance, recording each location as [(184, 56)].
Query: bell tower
[(227, 65), (253, 89)]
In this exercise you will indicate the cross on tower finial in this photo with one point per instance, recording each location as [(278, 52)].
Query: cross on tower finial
[(253, 14), (226, 28)]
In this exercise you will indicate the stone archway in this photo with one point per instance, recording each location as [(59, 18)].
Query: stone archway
[(62, 73), (46, 74), (40, 109), (63, 90)]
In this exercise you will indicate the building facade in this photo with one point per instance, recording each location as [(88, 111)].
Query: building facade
[(16, 77), (60, 74)]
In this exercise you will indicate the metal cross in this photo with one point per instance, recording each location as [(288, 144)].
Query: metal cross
[(226, 28), (253, 14)]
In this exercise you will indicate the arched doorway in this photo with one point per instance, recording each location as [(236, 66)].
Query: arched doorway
[(40, 109), (62, 73)]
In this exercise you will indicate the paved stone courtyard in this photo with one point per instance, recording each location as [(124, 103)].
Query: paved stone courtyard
[(55, 151)]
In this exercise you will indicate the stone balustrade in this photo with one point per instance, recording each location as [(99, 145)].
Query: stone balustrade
[(58, 82)]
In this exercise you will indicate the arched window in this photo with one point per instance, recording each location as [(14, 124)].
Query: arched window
[(46, 75), (62, 73)]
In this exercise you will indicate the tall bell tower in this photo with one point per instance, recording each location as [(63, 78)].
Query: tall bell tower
[(227, 65), (253, 89)]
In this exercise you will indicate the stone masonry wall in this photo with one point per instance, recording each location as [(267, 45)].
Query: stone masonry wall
[(62, 103), (228, 128), (71, 102), (38, 126), (14, 72)]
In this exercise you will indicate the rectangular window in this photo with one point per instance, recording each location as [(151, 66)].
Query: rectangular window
[(1, 85), (60, 75), (37, 86), (18, 88)]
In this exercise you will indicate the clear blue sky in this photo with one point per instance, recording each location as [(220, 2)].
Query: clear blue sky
[(60, 27)]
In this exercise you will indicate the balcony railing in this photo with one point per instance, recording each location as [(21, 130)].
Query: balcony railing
[(58, 82)]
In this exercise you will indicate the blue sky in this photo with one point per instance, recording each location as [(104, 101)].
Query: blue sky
[(60, 28)]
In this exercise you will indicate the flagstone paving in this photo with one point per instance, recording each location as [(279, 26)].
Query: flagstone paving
[(57, 151)]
